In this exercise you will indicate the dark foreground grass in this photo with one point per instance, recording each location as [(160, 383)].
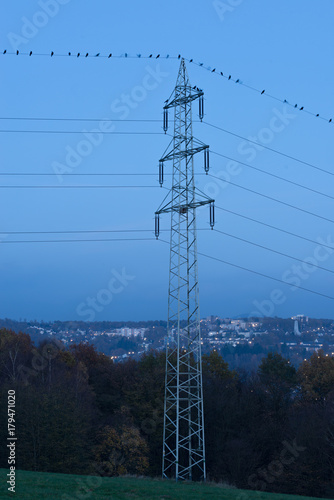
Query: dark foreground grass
[(47, 486)]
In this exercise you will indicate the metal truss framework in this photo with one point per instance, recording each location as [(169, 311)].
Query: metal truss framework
[(183, 438)]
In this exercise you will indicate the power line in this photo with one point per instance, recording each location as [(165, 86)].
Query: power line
[(269, 149), (213, 70), (77, 175), (258, 273), (262, 91), (86, 231), (94, 55), (75, 132), (276, 200), (99, 231), (158, 133), (274, 175), (89, 231), (79, 187), (77, 241), (275, 228), (79, 119), (271, 250)]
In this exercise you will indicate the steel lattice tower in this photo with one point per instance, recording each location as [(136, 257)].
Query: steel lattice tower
[(183, 438)]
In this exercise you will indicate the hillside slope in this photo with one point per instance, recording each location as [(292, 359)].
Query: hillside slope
[(47, 486)]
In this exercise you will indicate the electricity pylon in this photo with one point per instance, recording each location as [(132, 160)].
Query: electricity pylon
[(183, 436)]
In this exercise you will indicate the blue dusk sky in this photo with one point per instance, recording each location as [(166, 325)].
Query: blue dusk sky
[(283, 47)]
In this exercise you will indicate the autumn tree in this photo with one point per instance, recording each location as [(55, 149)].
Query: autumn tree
[(317, 376), (121, 451), (279, 379)]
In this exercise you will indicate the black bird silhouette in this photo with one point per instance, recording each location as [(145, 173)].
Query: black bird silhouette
[(109, 56), (285, 100), (86, 54), (179, 56), (17, 52), (317, 114), (150, 55), (222, 74), (30, 53), (4, 51), (330, 120), (138, 55), (201, 64), (263, 91), (301, 109), (194, 88), (191, 60), (237, 81), (229, 77), (126, 55), (296, 105), (167, 56), (158, 56), (97, 55), (52, 54), (213, 70), (78, 54), (69, 53)]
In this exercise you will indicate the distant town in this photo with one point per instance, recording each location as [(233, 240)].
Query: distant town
[(242, 342)]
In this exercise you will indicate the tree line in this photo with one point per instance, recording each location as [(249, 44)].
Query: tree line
[(79, 412)]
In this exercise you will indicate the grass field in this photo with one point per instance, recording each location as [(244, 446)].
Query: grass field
[(44, 486)]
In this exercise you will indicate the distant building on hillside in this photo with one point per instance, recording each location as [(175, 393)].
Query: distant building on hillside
[(296, 328)]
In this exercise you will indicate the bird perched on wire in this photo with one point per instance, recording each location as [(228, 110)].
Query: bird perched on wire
[(78, 54), (158, 56), (214, 69), (86, 54), (52, 53), (109, 56), (150, 55), (5, 51), (97, 55), (263, 91), (17, 52), (30, 53)]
